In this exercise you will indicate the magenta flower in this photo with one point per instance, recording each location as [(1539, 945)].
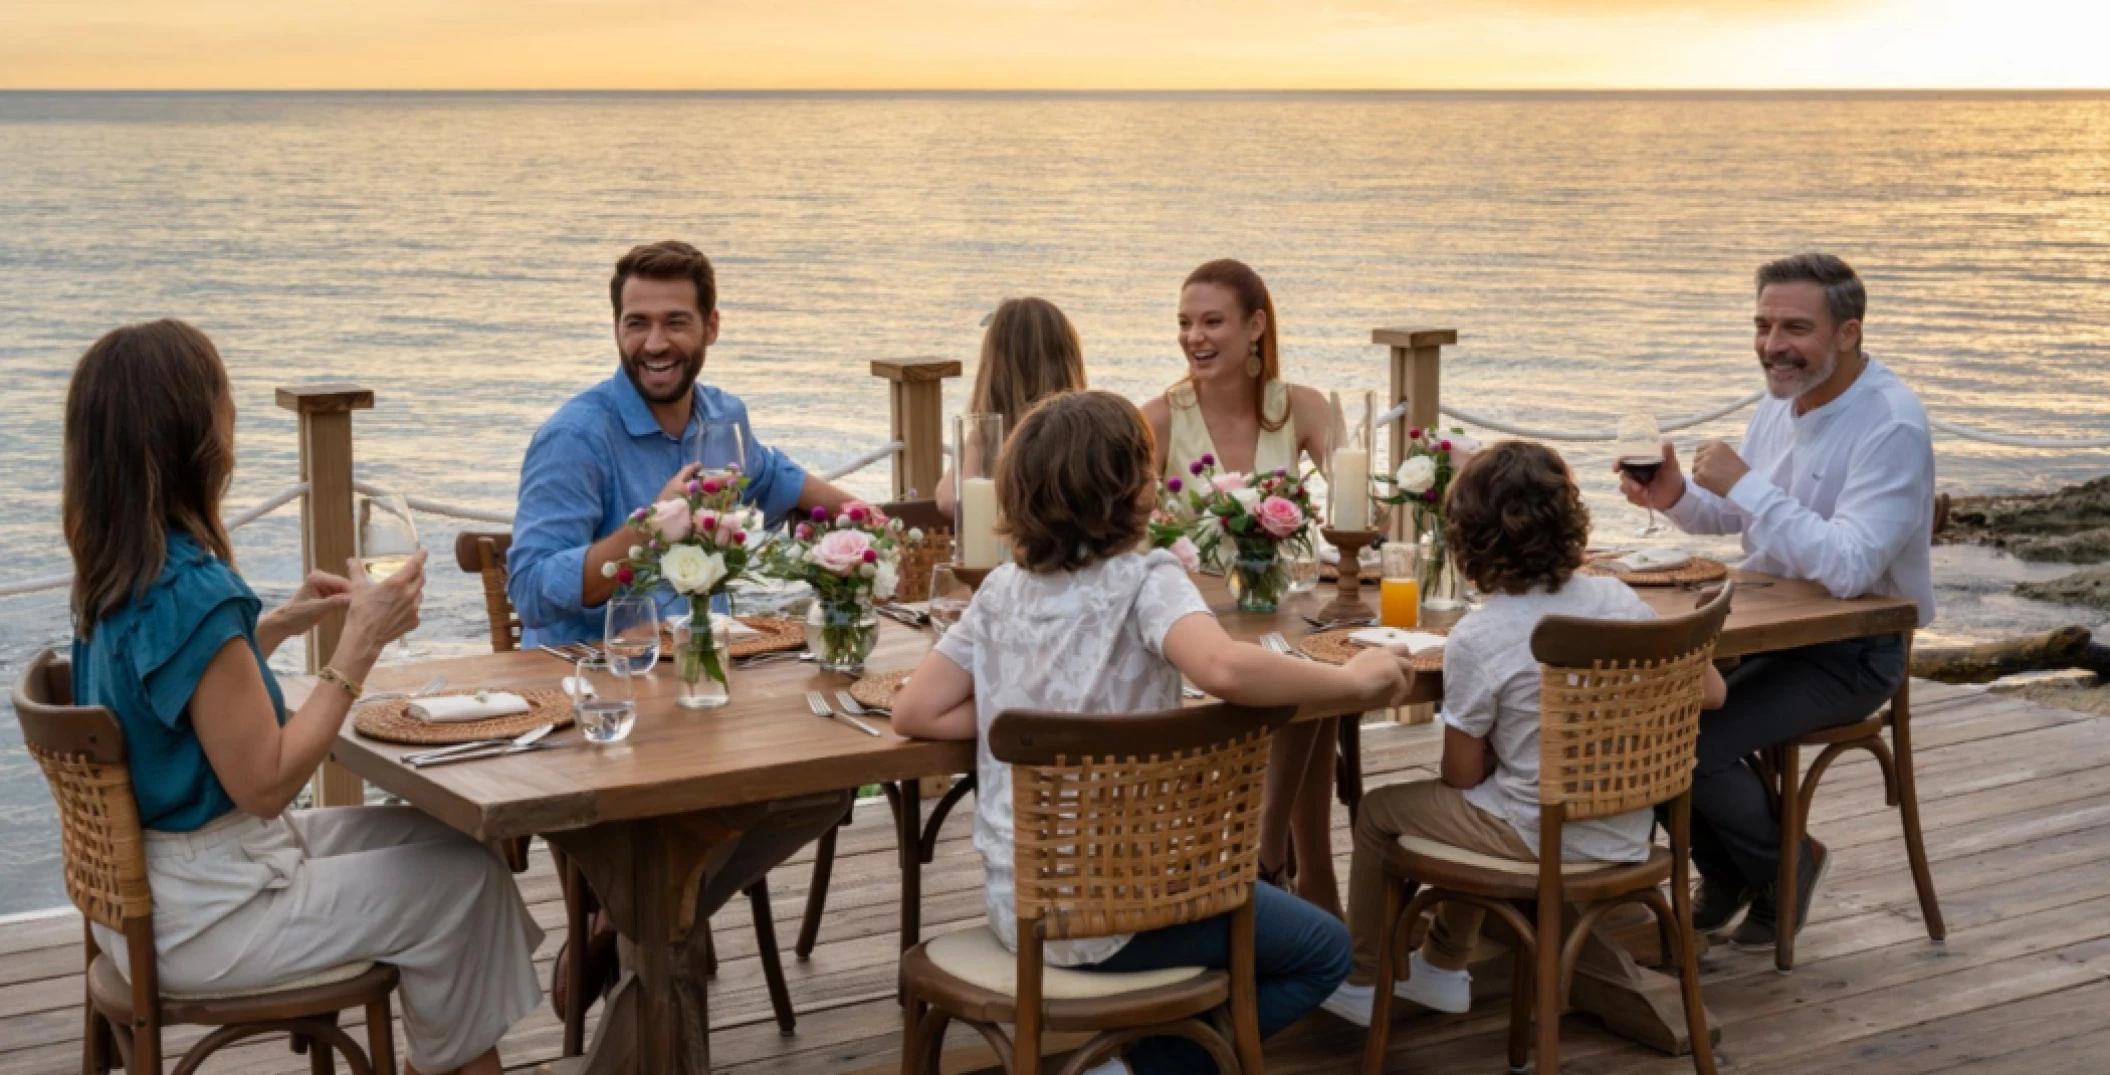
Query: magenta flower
[(857, 515), (1208, 459), (1445, 445), (695, 487), (871, 556), (1195, 468), (803, 533), (820, 515), (1429, 496), (710, 487), (1414, 434), (739, 537), (1175, 485)]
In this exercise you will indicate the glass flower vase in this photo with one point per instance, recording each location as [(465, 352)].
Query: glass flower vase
[(703, 661), (1443, 595), (841, 632), (1258, 579)]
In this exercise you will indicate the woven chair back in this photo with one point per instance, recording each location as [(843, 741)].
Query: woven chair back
[(918, 559), (1619, 707), (1132, 822), (82, 752), (483, 553)]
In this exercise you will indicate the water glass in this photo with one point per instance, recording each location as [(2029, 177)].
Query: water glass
[(949, 598), (604, 702), (1303, 572), (631, 630)]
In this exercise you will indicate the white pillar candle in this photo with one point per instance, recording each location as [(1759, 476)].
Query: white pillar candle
[(1351, 489), (978, 548)]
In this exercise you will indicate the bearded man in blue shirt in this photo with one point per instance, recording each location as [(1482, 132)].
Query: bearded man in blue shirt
[(619, 446)]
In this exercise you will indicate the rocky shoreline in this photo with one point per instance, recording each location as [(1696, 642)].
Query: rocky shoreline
[(2071, 526)]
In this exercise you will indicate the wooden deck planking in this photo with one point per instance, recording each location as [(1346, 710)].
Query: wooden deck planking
[(2016, 801)]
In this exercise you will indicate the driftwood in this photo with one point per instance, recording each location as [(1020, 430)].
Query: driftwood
[(2067, 647)]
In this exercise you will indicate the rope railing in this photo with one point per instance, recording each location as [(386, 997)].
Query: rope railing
[(438, 507), (863, 461)]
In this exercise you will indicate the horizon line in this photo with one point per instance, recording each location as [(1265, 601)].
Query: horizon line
[(1090, 91)]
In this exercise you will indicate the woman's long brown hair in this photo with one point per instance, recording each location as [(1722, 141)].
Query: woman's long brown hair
[(149, 449), (1030, 352), (1253, 295)]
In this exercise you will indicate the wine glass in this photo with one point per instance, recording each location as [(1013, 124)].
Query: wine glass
[(1640, 454), (717, 448), (388, 538), (949, 597), (631, 630)]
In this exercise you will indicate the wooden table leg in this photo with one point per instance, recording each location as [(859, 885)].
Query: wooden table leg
[(1639, 1003), (908, 820)]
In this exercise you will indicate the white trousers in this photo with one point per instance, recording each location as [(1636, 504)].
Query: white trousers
[(244, 904)]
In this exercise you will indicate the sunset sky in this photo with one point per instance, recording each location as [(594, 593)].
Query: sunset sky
[(1053, 44)]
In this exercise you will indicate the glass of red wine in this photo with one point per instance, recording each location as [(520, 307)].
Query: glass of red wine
[(1640, 454)]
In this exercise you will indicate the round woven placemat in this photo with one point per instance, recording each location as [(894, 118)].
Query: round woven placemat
[(1698, 569), (877, 690), (391, 721), (778, 633), (1333, 647)]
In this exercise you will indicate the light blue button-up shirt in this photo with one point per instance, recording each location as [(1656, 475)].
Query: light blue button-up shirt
[(599, 458)]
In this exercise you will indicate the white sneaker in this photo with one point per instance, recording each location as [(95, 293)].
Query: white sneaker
[(1352, 1003), (1435, 988)]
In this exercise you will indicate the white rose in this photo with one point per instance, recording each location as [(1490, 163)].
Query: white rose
[(1417, 475), (690, 570), (885, 580), (1249, 499)]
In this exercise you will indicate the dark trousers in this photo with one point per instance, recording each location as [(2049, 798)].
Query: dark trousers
[(1300, 955), (1773, 698)]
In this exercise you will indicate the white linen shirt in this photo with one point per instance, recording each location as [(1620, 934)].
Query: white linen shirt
[(1491, 692), (1087, 641), (1842, 496)]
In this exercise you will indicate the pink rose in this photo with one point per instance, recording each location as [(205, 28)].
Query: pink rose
[(671, 519), (1190, 557), (842, 552), (728, 525), (1229, 483), (1279, 517)]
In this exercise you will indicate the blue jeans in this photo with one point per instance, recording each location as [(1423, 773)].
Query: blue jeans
[(1301, 954)]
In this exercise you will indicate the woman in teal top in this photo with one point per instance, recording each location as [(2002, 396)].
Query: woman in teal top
[(248, 896)]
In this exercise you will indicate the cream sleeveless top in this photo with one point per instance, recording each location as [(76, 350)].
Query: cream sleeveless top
[(1190, 439)]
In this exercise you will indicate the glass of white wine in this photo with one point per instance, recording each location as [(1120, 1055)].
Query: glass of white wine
[(388, 538), (718, 448)]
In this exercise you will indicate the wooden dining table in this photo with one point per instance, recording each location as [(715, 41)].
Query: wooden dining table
[(644, 818)]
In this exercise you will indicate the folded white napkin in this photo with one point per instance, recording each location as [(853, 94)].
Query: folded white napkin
[(735, 631), (1653, 560), (468, 707), (1394, 638)]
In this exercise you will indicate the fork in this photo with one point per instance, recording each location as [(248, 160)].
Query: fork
[(820, 708), (1273, 642)]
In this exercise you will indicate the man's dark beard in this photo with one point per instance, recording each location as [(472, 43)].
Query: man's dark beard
[(693, 369)]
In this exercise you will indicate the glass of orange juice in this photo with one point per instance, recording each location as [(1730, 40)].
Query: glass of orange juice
[(1399, 584)]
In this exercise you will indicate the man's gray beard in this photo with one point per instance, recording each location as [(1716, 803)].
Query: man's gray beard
[(1810, 380)]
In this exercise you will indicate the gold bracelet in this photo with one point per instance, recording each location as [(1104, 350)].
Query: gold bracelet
[(331, 675)]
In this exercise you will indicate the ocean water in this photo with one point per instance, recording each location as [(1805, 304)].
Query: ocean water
[(451, 252)]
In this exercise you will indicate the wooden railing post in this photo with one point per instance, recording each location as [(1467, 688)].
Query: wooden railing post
[(326, 528), (1417, 367), (916, 399)]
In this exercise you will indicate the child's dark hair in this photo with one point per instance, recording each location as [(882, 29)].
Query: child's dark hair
[(1073, 482), (1515, 519)]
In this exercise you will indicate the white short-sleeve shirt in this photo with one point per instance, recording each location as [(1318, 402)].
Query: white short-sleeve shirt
[(1491, 692), (1088, 641)]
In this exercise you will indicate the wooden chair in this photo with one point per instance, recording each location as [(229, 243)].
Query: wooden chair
[(82, 752), (1794, 792), (483, 553), (1122, 824), (1619, 715)]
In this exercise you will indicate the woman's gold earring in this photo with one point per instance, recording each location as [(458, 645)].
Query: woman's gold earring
[(1252, 361)]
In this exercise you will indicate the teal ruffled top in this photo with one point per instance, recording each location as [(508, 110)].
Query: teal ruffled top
[(143, 664)]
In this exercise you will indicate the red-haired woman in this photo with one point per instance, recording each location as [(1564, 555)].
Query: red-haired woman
[(1234, 407)]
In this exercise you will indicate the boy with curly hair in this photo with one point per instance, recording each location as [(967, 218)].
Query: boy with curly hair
[(1518, 527)]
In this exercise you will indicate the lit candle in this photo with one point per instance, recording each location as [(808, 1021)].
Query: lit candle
[(978, 547), (1351, 489)]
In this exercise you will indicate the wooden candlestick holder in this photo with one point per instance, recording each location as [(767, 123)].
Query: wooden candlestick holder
[(1348, 604)]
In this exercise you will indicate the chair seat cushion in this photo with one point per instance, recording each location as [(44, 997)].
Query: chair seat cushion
[(976, 957), (350, 985), (1418, 845)]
